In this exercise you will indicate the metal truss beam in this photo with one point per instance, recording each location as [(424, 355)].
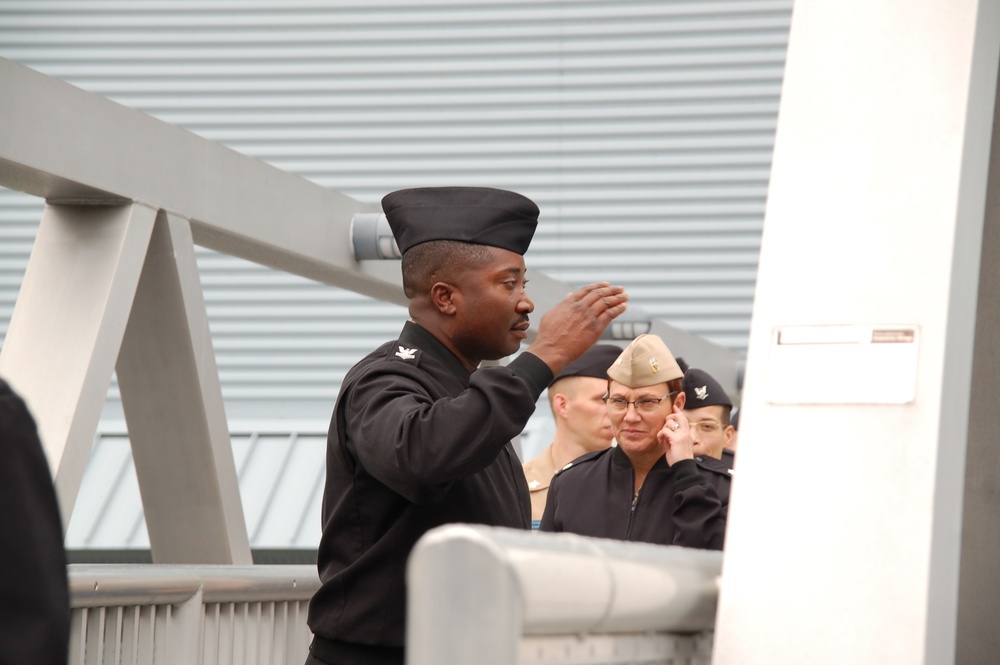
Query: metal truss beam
[(68, 324), (174, 410), (72, 146)]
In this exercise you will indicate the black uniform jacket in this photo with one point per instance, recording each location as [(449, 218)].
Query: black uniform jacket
[(416, 441), (685, 504), (34, 593)]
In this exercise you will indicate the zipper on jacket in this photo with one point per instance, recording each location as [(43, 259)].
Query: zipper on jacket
[(631, 511)]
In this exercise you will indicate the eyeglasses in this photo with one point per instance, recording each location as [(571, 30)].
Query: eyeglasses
[(644, 405), (706, 426)]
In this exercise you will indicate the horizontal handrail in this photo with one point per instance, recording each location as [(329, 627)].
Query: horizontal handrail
[(503, 585), (151, 614), (101, 585)]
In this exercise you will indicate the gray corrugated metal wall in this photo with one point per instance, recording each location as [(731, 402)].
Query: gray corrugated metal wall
[(281, 485), (642, 128)]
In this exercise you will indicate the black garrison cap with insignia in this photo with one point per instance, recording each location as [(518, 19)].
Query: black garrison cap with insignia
[(477, 215), (703, 390), (594, 363)]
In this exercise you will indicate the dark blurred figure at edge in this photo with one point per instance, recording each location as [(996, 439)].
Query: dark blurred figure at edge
[(34, 593), (420, 435)]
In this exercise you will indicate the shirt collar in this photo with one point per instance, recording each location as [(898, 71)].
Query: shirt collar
[(415, 335)]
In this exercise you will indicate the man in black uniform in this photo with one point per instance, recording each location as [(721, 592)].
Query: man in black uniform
[(650, 487), (34, 594), (707, 407), (581, 420), (419, 436)]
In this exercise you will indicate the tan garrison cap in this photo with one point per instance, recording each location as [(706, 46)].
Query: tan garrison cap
[(645, 362)]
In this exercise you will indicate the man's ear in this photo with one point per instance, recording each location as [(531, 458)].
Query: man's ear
[(559, 403), (679, 401), (443, 297), (729, 432)]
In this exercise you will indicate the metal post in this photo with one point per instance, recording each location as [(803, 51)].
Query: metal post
[(463, 603), (68, 323), (175, 414)]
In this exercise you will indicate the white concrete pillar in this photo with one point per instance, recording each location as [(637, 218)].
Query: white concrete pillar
[(845, 533)]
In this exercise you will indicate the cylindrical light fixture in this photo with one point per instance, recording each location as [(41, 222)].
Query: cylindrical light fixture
[(372, 238)]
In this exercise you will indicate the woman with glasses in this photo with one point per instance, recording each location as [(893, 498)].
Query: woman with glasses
[(651, 487)]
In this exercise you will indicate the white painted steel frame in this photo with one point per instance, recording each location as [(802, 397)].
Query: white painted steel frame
[(68, 324), (174, 411), (847, 520)]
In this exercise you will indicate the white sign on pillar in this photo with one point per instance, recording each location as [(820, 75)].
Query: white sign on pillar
[(844, 536)]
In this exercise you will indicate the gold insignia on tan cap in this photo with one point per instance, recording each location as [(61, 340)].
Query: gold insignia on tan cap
[(645, 362)]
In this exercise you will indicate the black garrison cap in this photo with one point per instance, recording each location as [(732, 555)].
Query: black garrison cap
[(703, 390), (477, 215), (594, 363)]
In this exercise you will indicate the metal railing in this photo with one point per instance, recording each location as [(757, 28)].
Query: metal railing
[(523, 597), (216, 615)]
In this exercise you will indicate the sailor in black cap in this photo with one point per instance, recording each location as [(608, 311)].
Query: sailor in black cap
[(581, 420), (420, 436), (651, 487), (708, 409)]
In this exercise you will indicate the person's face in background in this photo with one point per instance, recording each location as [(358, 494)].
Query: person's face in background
[(580, 411), (710, 430), (635, 426)]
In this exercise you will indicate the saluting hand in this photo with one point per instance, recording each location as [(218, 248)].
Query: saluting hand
[(570, 328)]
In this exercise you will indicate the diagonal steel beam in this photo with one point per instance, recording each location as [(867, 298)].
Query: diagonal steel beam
[(68, 323), (75, 146), (173, 406)]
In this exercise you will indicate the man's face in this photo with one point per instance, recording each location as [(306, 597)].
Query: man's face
[(635, 428), (581, 411), (492, 307), (707, 431)]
